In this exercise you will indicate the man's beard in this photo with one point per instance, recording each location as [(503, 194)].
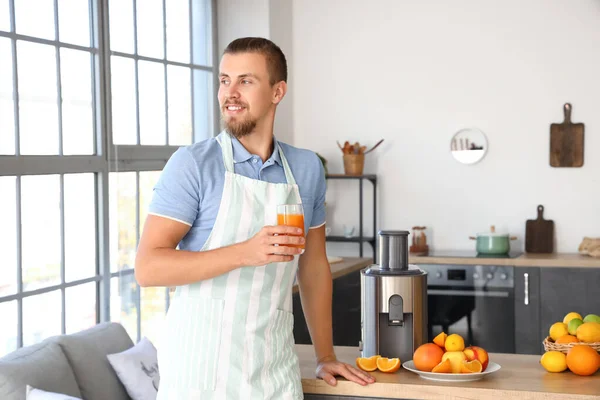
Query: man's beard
[(240, 129)]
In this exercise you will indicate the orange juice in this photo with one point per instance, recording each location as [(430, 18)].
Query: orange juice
[(296, 220)]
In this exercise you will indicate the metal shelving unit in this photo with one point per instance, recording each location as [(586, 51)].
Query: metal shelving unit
[(360, 239)]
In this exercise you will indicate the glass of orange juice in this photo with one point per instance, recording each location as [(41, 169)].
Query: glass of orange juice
[(291, 215)]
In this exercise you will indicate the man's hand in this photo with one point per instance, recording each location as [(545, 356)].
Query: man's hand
[(272, 244), (328, 369)]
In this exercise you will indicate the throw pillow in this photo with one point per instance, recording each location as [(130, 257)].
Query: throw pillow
[(137, 368), (38, 394)]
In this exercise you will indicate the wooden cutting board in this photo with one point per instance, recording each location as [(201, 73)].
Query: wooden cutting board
[(539, 234), (566, 142)]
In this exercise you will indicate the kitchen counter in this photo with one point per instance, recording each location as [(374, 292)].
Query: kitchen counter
[(574, 260), (344, 267), (520, 377)]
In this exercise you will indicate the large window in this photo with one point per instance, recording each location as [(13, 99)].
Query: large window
[(94, 98)]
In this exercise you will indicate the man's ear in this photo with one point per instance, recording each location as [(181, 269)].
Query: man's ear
[(279, 92)]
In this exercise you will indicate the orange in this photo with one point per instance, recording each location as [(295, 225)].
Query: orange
[(454, 342), (468, 367), (367, 363), (583, 360), (567, 339), (445, 367), (440, 339), (388, 364), (427, 356)]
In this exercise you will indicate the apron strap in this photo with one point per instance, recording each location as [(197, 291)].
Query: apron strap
[(289, 177), (227, 150)]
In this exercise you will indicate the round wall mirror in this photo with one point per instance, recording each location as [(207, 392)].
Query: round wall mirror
[(469, 146)]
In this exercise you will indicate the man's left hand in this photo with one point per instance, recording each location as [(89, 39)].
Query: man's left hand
[(327, 370)]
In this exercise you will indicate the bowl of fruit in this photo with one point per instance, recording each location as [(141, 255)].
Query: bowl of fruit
[(447, 359)]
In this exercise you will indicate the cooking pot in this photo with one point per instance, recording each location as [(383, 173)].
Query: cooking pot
[(493, 242)]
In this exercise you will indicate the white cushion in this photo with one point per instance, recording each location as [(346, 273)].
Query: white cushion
[(137, 368), (38, 394)]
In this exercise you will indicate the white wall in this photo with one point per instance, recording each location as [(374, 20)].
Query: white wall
[(416, 72)]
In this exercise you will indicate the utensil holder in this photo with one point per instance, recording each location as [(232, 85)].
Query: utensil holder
[(354, 164)]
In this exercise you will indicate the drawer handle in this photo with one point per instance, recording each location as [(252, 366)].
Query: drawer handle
[(526, 286)]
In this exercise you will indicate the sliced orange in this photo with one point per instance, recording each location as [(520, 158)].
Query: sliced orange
[(468, 367), (445, 367), (440, 339), (388, 364), (367, 363)]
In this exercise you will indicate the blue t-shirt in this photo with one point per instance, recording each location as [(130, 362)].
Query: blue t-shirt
[(191, 184)]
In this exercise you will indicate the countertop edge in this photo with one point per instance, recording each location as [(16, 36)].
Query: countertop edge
[(567, 260)]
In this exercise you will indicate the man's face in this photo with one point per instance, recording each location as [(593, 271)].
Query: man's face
[(245, 94)]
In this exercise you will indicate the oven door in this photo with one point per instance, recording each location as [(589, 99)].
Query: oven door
[(483, 316)]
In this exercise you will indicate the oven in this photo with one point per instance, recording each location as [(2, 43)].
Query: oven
[(475, 301)]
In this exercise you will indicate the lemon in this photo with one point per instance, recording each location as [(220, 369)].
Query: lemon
[(589, 332), (454, 342), (558, 329), (554, 361), (570, 316)]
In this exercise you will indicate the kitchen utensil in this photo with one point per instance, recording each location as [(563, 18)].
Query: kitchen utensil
[(566, 142), (436, 376), (539, 234), (493, 242)]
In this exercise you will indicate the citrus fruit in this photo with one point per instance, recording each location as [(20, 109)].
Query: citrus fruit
[(567, 339), (589, 332), (440, 339), (469, 367), (456, 358), (554, 361), (454, 342), (570, 316), (388, 364), (367, 363), (479, 354), (591, 318), (573, 325), (557, 330), (583, 360), (427, 356), (445, 367)]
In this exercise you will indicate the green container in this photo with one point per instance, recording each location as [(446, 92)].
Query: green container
[(492, 242)]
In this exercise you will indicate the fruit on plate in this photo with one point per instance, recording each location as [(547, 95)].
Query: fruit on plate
[(573, 325), (388, 364), (570, 316), (479, 354), (440, 340), (445, 367), (554, 361), (592, 318), (368, 364), (469, 367), (456, 358), (583, 360), (589, 332), (557, 330), (567, 339), (427, 356), (454, 342)]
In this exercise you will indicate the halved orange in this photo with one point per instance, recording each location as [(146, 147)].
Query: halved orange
[(445, 367), (388, 364), (367, 363), (440, 340), (468, 367)]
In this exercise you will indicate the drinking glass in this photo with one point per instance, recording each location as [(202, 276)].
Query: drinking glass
[(291, 215)]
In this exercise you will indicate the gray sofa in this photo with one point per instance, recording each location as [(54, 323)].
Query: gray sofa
[(74, 364)]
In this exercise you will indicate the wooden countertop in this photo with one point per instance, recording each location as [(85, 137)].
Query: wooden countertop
[(520, 377), (344, 267), (525, 260)]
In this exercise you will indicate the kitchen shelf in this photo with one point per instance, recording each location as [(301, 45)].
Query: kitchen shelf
[(360, 239)]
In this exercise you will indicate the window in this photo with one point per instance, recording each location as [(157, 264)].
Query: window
[(95, 96)]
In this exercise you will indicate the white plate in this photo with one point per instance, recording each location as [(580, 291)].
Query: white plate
[(436, 376)]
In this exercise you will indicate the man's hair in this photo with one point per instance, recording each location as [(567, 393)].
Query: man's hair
[(276, 63)]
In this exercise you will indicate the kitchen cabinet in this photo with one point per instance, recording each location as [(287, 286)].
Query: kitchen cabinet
[(527, 311), (345, 313), (567, 289)]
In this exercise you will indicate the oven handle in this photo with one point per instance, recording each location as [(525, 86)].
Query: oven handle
[(476, 293)]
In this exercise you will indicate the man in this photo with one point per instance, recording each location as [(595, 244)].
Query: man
[(228, 330)]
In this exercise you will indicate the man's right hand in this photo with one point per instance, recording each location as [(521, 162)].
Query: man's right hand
[(272, 244)]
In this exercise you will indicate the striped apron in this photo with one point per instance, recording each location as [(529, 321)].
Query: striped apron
[(230, 337)]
